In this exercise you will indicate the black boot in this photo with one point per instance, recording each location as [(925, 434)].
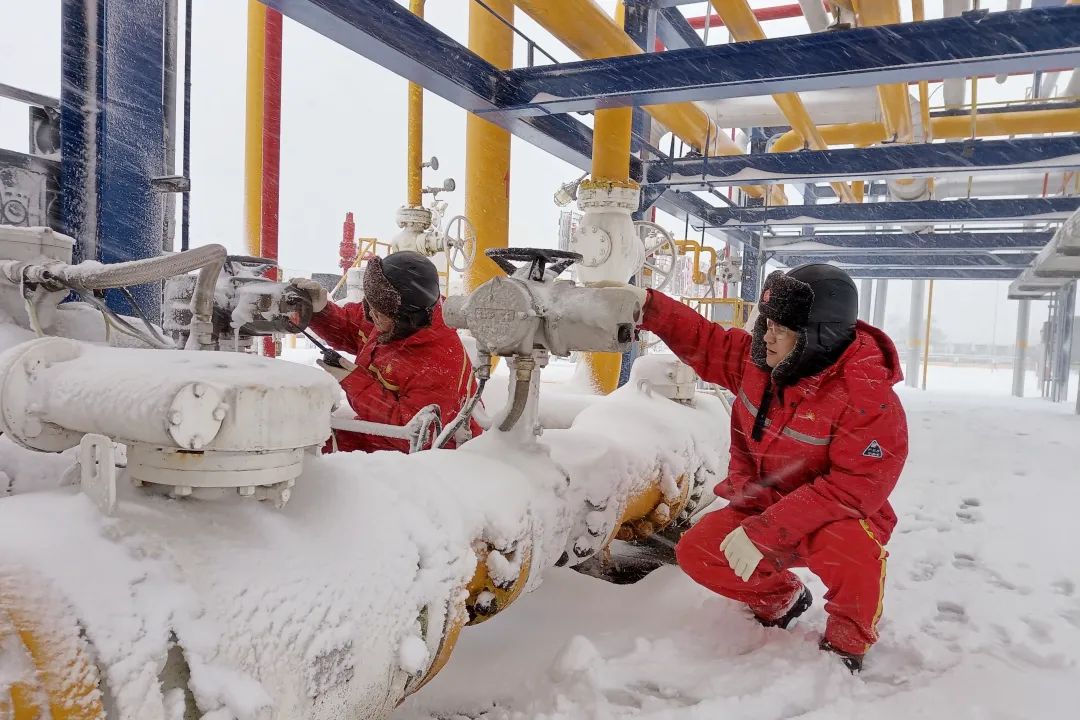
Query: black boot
[(802, 604), (851, 661)]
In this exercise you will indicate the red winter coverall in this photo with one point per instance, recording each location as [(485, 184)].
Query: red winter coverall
[(814, 491), (394, 380)]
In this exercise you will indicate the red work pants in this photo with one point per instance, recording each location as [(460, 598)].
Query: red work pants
[(844, 554)]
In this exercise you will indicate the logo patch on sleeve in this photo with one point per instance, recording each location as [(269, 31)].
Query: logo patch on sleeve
[(873, 450)]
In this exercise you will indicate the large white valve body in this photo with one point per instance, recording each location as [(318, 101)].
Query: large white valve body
[(606, 238), (189, 419)]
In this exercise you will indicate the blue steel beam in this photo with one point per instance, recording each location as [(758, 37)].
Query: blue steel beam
[(386, 33), (1018, 262), (112, 133), (882, 213), (930, 159), (914, 242), (674, 31), (972, 44)]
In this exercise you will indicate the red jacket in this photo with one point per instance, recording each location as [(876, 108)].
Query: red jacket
[(394, 380), (833, 449)]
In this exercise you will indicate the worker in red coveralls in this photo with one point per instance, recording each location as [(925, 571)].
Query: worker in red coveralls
[(818, 440), (406, 357)]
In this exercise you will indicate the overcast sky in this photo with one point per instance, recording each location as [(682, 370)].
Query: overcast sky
[(344, 142)]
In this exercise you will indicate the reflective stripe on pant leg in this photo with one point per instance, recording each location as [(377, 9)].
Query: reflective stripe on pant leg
[(851, 563)]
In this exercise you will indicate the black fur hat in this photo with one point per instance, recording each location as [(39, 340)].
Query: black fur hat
[(819, 302), (405, 286)]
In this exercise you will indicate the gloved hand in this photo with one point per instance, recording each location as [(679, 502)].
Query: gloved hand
[(742, 554), (315, 292), (641, 293), (339, 373)]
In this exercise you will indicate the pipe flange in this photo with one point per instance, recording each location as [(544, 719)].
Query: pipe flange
[(195, 415), (610, 197), (594, 245), (413, 218)]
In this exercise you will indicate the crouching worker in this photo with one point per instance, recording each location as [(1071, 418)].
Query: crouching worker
[(818, 440), (406, 357)]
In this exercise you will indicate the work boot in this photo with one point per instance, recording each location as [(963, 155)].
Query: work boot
[(801, 605), (851, 661)]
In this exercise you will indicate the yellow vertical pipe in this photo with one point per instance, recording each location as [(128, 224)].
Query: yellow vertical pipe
[(610, 163), (894, 98), (415, 160), (611, 144), (743, 25), (253, 127), (487, 147)]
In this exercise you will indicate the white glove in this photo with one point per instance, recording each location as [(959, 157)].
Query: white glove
[(339, 373), (316, 292), (741, 553), (641, 293)]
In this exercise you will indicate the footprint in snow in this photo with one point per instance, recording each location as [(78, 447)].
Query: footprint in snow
[(949, 611), (1064, 586), (924, 570)]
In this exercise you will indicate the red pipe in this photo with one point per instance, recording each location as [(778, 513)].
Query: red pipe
[(271, 148), (780, 12)]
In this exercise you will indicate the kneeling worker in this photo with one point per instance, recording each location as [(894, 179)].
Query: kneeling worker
[(818, 440), (406, 357)]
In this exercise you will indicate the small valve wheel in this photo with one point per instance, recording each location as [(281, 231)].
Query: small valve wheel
[(661, 253), (459, 241)]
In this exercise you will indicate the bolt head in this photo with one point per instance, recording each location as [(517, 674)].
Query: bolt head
[(196, 443), (175, 417), (219, 413), (199, 390)]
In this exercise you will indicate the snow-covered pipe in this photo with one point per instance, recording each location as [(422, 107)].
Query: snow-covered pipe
[(347, 599), (208, 260)]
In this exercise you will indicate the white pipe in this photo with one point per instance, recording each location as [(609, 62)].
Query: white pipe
[(915, 333), (955, 90), (815, 15), (1021, 183), (1023, 316)]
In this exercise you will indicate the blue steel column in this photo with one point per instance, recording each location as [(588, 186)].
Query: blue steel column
[(113, 133)]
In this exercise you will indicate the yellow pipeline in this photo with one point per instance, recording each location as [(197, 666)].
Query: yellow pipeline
[(63, 685), (253, 127), (894, 98), (1030, 122), (610, 164), (590, 33), (740, 20), (415, 162), (487, 147), (697, 248)]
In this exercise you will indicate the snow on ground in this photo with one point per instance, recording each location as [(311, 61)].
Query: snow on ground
[(982, 613)]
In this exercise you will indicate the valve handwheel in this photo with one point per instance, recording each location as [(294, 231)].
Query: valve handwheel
[(460, 243), (661, 252), (539, 260)]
